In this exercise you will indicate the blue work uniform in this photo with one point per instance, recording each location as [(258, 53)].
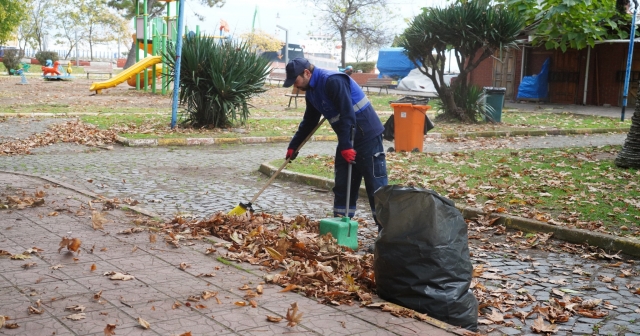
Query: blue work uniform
[(340, 100)]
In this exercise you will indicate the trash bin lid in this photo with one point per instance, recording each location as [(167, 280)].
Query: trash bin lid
[(411, 100), (491, 89)]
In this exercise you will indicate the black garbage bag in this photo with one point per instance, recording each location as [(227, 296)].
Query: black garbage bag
[(422, 255)]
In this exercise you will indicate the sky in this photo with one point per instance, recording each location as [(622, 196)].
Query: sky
[(296, 16)]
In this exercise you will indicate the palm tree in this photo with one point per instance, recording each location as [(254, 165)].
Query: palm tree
[(474, 30)]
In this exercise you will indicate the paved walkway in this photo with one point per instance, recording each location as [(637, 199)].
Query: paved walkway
[(203, 180), (160, 290)]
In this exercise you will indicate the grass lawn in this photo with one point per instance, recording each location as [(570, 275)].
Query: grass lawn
[(153, 125), (573, 186)]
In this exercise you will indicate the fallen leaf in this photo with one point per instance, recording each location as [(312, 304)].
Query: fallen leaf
[(188, 333), (590, 304), (176, 305), (253, 303), (76, 317), (152, 237), (288, 288), (293, 316), (33, 250), (12, 326), (93, 267), (240, 303), (119, 276), (97, 295), (20, 257), (259, 289), (540, 326), (495, 316), (109, 330), (72, 244), (275, 319), (29, 265), (77, 308), (98, 220), (34, 310), (56, 267), (183, 266), (144, 324), (201, 306), (206, 295), (209, 250), (477, 271), (2, 319)]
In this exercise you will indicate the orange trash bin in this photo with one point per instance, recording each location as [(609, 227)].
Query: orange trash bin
[(408, 128)]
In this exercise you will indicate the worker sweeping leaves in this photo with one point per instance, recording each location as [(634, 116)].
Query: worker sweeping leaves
[(340, 100)]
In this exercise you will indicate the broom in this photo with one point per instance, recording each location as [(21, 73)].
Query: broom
[(241, 208)]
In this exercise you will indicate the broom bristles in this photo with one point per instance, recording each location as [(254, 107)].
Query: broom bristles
[(237, 211)]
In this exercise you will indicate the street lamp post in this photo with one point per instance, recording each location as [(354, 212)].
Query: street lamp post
[(286, 44)]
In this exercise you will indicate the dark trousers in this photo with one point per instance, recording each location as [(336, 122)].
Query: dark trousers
[(371, 165)]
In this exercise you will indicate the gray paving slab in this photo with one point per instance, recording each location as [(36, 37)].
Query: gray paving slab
[(158, 294)]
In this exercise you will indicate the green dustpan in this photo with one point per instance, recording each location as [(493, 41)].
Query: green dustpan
[(343, 229)]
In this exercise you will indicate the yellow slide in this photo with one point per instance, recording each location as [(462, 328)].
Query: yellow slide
[(126, 74)]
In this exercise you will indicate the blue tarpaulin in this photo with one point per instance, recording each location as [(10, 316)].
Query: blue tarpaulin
[(536, 86), (392, 62)]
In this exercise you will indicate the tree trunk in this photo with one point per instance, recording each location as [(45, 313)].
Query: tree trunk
[(131, 57), (629, 156), (343, 51)]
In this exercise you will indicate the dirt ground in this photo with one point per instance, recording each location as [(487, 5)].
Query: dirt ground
[(75, 94)]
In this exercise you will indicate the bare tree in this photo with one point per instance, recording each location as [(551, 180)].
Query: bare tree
[(41, 20), (155, 8), (350, 18), (366, 44)]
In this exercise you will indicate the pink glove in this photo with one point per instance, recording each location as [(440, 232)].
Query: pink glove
[(291, 154), (349, 154)]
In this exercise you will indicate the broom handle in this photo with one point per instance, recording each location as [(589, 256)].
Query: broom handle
[(286, 162)]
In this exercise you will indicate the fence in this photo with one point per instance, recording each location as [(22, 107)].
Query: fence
[(84, 54)]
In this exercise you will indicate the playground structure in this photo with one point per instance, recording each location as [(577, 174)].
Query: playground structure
[(145, 71), (53, 71)]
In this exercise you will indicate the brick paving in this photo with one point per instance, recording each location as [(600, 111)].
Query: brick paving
[(203, 180), (159, 282)]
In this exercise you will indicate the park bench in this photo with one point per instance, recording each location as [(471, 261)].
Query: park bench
[(277, 77), (295, 94), (99, 68), (382, 83)]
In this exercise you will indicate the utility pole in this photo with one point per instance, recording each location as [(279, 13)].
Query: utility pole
[(286, 44)]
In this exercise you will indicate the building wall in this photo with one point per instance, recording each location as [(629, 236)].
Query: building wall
[(605, 61)]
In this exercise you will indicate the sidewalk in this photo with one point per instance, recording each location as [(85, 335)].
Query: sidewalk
[(159, 292)]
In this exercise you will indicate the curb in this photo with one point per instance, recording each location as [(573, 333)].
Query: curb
[(576, 236), (253, 140), (212, 141)]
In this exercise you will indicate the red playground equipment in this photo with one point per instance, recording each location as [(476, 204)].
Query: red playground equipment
[(51, 70)]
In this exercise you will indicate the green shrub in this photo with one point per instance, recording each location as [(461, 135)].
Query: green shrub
[(43, 56), (366, 67), (472, 102), (11, 59), (217, 79)]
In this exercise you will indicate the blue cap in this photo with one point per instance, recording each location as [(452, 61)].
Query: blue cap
[(348, 67), (294, 68)]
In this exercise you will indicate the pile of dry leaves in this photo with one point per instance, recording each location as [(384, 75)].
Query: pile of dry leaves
[(71, 131), (303, 260)]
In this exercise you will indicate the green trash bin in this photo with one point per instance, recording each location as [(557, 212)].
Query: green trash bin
[(494, 97)]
